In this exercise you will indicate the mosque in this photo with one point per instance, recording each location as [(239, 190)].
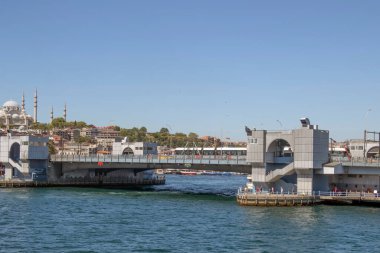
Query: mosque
[(14, 116)]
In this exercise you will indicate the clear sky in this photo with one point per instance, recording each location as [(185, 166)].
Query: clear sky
[(207, 66)]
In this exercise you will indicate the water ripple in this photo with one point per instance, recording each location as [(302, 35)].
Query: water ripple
[(188, 214)]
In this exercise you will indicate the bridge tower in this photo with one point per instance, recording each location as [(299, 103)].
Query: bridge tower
[(288, 159)]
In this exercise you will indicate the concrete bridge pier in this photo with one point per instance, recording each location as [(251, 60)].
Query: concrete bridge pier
[(288, 159), (305, 181), (258, 173)]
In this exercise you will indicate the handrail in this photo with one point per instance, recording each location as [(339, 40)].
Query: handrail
[(357, 161), (230, 160), (346, 194)]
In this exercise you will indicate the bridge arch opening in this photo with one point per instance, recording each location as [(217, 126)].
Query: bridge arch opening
[(14, 152), (128, 151), (373, 152), (279, 151)]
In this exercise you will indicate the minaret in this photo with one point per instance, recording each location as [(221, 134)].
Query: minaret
[(65, 113), (51, 115), (35, 107), (23, 103)]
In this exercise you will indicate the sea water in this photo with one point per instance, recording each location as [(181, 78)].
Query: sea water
[(188, 214)]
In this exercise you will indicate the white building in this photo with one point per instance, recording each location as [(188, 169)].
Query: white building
[(23, 157), (14, 116), (134, 148)]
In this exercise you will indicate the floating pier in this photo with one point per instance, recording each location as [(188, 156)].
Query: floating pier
[(276, 199), (247, 198)]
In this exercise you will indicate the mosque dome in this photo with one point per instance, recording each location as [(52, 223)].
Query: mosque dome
[(10, 103), (15, 116)]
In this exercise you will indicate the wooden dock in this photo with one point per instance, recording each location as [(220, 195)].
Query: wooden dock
[(267, 199), (246, 198)]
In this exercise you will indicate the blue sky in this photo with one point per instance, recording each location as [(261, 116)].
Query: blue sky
[(205, 66)]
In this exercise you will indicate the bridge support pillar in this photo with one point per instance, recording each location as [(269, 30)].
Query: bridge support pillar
[(305, 181), (258, 174)]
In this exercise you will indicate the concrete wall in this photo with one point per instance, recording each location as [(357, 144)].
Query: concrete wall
[(256, 147), (33, 156), (256, 154), (281, 135), (357, 148), (311, 148), (138, 148), (305, 181), (321, 183), (355, 182), (303, 148)]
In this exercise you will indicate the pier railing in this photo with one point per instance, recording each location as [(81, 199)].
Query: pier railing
[(243, 190), (346, 194), (170, 159)]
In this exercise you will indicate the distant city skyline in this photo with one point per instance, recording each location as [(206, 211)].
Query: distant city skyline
[(209, 67)]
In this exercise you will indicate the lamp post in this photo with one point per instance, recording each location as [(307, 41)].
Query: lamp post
[(365, 132)]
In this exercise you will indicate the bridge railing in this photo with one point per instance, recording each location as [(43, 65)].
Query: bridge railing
[(338, 194), (172, 159), (357, 161), (348, 194)]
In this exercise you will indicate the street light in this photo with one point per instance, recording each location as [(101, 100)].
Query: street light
[(365, 132)]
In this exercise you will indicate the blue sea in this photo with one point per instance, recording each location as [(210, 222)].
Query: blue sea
[(188, 214)]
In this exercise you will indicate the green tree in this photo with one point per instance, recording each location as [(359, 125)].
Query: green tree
[(192, 136), (58, 123), (81, 124), (40, 126), (164, 130)]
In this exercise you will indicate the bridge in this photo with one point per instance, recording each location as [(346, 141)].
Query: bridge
[(294, 161), (66, 164), (357, 166)]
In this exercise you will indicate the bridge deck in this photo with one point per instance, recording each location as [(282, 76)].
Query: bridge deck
[(152, 159)]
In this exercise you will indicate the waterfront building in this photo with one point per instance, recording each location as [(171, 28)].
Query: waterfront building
[(124, 147), (23, 156)]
